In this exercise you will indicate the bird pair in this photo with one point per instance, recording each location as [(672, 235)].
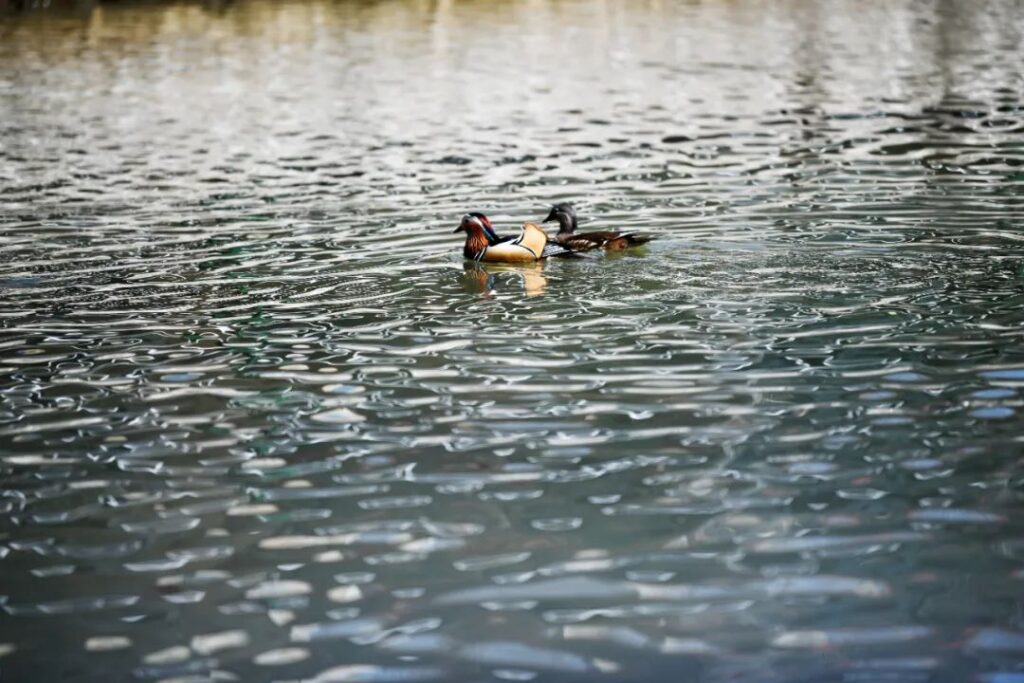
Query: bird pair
[(532, 243)]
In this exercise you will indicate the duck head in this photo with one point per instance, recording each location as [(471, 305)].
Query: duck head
[(478, 235), (477, 221), (565, 215)]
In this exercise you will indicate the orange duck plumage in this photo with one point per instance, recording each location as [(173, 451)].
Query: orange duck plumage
[(484, 244)]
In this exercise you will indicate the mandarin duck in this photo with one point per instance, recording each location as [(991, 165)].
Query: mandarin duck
[(484, 244), (567, 236)]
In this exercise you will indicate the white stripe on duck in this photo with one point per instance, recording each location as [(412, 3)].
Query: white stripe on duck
[(483, 244)]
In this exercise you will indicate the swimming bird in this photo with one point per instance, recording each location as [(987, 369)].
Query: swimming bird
[(484, 244), (604, 239)]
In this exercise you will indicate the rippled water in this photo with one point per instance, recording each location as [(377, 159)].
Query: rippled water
[(259, 422)]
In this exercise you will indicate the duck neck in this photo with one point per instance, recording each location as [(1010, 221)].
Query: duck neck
[(566, 224), (492, 237), (476, 242)]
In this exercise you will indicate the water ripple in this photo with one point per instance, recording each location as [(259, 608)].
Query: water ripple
[(258, 419)]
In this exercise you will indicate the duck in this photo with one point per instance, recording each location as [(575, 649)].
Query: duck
[(612, 240), (484, 244)]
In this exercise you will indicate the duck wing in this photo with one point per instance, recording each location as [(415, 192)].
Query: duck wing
[(580, 242), (533, 238), (527, 246), (604, 239)]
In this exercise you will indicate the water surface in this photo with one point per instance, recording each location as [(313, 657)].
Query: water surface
[(259, 422)]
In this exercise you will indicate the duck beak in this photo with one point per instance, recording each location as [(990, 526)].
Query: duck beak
[(459, 229), (552, 216)]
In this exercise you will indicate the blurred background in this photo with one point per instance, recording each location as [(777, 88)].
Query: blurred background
[(259, 421)]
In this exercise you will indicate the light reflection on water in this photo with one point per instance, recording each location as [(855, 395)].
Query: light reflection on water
[(259, 421)]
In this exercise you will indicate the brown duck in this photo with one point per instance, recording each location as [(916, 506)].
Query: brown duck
[(612, 240)]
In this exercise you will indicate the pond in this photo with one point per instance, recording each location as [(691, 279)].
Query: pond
[(259, 421)]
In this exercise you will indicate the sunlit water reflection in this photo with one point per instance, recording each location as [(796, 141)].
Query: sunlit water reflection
[(259, 422)]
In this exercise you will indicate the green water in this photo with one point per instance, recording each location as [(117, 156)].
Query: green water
[(258, 421)]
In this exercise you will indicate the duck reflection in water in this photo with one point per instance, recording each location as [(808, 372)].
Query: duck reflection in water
[(486, 278)]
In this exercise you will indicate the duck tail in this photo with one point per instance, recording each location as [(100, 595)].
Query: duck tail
[(634, 239)]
